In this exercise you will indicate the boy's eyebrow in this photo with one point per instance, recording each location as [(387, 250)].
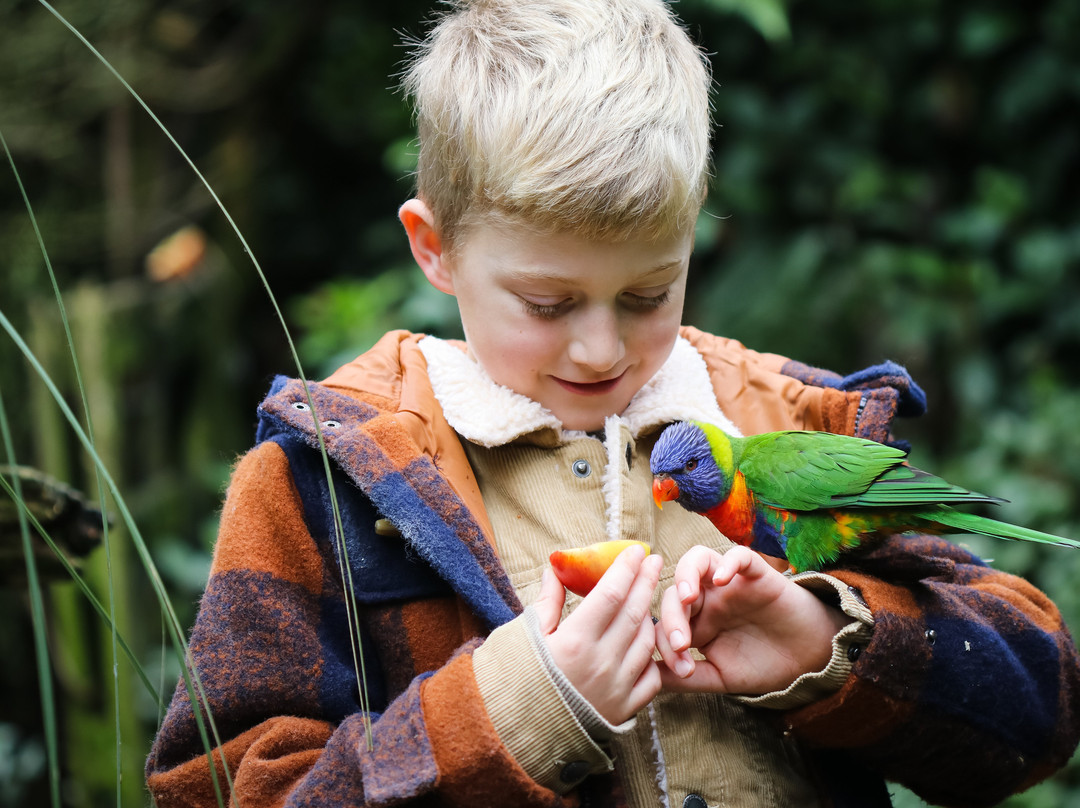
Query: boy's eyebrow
[(661, 269), (540, 274)]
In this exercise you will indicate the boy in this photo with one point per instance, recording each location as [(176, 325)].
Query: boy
[(564, 146)]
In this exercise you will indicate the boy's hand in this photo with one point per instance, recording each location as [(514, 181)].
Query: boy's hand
[(757, 630), (605, 646)]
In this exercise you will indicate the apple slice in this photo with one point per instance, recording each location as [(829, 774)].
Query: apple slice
[(580, 568)]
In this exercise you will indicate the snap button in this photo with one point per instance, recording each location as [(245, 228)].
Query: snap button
[(574, 771), (931, 636), (331, 424), (581, 468), (854, 652), (300, 405), (694, 801)]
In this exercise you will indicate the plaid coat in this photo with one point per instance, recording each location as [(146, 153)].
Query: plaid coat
[(965, 693)]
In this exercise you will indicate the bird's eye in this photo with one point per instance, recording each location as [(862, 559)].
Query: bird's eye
[(691, 464)]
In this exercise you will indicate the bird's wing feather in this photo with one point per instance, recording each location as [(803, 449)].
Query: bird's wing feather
[(809, 470), (906, 486)]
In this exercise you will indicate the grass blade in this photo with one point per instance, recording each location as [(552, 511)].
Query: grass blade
[(84, 587), (192, 680), (37, 617), (352, 617), (111, 619)]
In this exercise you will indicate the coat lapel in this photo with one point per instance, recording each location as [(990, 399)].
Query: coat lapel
[(404, 484)]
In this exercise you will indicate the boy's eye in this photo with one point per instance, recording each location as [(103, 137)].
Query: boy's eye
[(549, 307), (646, 302), (541, 308)]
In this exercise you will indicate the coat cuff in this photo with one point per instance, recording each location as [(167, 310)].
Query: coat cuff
[(547, 726), (847, 644)]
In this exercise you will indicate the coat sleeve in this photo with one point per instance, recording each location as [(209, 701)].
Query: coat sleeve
[(968, 689), (270, 646)]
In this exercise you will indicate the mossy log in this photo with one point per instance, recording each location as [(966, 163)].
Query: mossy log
[(73, 525)]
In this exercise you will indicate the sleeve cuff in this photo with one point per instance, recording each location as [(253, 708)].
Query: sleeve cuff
[(545, 724), (847, 645)]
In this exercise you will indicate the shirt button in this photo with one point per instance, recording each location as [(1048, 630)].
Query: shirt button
[(574, 771), (581, 468), (694, 801)]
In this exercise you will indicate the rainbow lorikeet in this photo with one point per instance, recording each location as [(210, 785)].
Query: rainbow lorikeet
[(808, 497)]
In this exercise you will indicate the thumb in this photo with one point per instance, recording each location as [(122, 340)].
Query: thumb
[(548, 606)]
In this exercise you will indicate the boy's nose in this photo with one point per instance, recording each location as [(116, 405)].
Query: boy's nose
[(597, 343)]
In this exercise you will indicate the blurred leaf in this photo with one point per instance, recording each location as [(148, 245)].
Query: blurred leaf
[(769, 17), (343, 318)]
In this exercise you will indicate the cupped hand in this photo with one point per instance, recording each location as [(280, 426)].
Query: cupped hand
[(605, 646), (757, 629)]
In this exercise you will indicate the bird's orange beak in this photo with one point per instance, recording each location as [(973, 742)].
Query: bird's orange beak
[(664, 489)]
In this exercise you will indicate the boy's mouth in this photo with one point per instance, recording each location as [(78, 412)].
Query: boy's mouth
[(591, 388)]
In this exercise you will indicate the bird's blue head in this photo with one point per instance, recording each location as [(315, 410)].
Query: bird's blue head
[(684, 468)]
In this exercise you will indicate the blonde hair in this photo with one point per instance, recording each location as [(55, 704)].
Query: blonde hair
[(589, 116)]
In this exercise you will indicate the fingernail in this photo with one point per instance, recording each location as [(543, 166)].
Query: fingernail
[(683, 667), (676, 639), (684, 590)]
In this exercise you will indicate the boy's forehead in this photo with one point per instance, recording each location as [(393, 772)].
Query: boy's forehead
[(537, 255), (494, 226)]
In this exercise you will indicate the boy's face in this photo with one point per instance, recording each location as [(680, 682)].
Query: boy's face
[(576, 325)]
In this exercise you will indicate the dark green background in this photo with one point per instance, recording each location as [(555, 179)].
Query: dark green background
[(894, 180)]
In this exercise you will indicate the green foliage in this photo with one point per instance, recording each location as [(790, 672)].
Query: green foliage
[(892, 180), (769, 17), (342, 318)]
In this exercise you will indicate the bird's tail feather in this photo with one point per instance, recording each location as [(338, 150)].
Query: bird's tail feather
[(972, 523)]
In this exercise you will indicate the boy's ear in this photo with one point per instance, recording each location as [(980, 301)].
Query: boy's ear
[(426, 244)]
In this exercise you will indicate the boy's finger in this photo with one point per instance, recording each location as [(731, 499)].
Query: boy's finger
[(697, 564), (675, 621), (740, 561), (549, 604), (704, 679), (634, 613), (646, 687), (606, 600), (679, 662), (640, 650)]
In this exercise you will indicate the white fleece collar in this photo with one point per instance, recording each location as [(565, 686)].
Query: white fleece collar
[(490, 414)]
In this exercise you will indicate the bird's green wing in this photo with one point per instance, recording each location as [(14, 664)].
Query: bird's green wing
[(809, 470), (906, 487)]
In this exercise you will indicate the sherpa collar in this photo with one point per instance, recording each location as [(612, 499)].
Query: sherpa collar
[(489, 414)]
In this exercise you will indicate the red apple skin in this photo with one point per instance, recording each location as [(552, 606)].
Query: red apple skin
[(580, 568)]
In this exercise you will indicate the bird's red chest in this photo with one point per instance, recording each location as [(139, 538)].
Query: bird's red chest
[(734, 517)]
